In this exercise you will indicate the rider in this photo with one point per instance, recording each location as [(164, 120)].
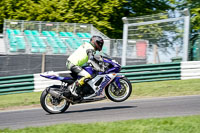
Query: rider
[(81, 56)]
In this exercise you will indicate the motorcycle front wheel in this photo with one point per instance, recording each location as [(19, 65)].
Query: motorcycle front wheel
[(116, 94), (53, 105)]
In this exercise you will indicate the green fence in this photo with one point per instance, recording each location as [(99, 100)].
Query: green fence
[(152, 72), (16, 84)]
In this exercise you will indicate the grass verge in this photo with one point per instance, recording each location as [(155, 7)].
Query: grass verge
[(22, 99), (188, 124), (140, 90), (166, 88)]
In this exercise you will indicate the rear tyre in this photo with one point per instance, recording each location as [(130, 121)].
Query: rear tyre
[(116, 94), (53, 105)]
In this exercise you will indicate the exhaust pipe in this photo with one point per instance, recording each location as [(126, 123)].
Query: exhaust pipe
[(58, 95), (54, 93)]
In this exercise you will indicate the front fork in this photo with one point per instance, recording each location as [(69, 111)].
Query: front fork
[(117, 82)]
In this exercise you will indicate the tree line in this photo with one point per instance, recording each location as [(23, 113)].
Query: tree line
[(105, 15)]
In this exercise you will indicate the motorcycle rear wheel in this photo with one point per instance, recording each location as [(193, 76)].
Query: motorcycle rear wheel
[(53, 105), (119, 95)]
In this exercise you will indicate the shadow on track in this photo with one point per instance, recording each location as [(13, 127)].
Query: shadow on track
[(102, 108), (97, 109)]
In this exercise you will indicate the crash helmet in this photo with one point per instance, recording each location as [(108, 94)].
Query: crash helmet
[(97, 42)]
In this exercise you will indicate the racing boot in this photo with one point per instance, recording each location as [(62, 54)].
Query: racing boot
[(84, 79), (77, 84), (73, 88)]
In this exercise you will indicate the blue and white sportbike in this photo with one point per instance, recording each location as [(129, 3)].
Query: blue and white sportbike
[(105, 83)]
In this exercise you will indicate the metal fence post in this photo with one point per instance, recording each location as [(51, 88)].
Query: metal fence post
[(5, 38), (125, 38), (43, 63), (186, 34)]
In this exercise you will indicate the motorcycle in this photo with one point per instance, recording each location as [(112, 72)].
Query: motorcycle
[(106, 82)]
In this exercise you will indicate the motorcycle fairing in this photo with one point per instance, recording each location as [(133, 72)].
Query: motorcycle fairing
[(116, 67), (57, 76), (89, 69), (98, 88)]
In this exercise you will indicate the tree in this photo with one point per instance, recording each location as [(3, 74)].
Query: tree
[(135, 8), (106, 15), (194, 6), (15, 9)]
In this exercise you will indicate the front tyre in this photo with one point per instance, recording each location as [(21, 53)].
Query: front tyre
[(116, 94), (53, 105)]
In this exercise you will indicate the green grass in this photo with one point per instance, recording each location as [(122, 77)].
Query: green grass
[(22, 99), (188, 124), (166, 88), (140, 90)]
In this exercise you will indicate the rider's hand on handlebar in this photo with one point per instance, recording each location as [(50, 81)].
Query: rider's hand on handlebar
[(89, 62)]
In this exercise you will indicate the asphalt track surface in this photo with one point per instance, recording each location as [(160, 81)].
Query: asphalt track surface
[(100, 112)]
